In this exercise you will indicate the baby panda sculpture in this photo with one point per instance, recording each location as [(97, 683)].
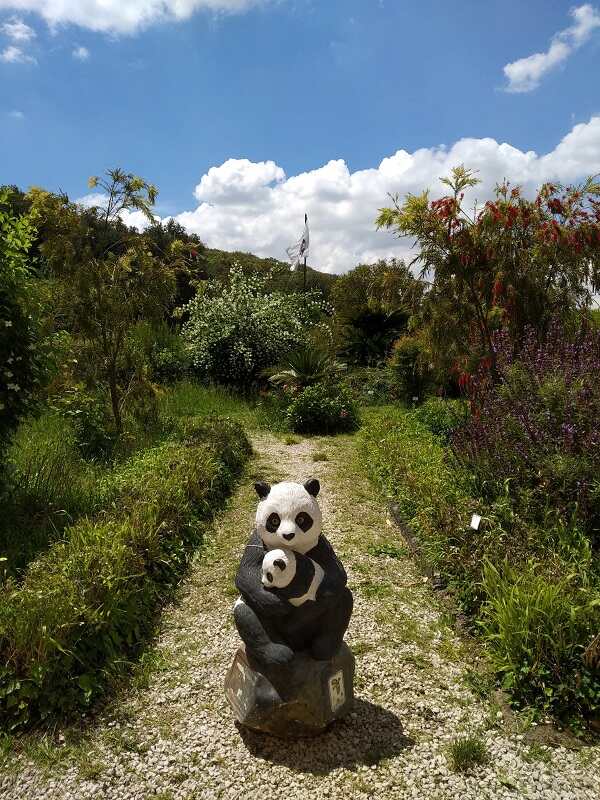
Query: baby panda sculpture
[(272, 627), (295, 577)]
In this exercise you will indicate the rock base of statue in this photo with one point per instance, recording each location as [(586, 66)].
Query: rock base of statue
[(301, 700)]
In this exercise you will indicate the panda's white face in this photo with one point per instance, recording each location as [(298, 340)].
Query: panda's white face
[(289, 516), (278, 568)]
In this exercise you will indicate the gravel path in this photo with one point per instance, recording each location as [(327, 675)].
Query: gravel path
[(173, 738)]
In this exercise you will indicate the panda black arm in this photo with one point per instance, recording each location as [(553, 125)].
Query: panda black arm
[(335, 578), (249, 582)]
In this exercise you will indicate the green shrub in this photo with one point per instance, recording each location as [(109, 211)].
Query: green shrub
[(237, 331), (373, 386), (538, 628), (88, 414), (442, 417), (410, 362), (160, 348), (305, 367), (85, 607), (169, 359), (324, 409), (21, 358)]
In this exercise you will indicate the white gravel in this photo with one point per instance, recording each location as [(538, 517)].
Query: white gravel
[(176, 739)]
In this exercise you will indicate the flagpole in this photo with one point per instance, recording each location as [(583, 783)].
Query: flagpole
[(305, 223)]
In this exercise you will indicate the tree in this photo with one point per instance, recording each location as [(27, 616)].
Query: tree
[(516, 262), (373, 303), (386, 286), (108, 297), (124, 192), (109, 278)]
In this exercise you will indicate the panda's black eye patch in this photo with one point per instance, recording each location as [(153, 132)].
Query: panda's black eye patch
[(279, 563), (270, 577), (304, 521), (273, 522)]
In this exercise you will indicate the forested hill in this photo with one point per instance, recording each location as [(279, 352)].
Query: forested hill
[(218, 262), (78, 224)]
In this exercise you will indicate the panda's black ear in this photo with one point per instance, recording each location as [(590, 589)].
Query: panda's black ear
[(262, 489), (312, 486)]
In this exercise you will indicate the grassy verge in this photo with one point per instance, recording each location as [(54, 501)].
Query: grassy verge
[(50, 485), (52, 480), (533, 591), (84, 607), (189, 399)]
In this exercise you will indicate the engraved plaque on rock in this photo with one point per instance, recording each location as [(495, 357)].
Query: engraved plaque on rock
[(337, 692)]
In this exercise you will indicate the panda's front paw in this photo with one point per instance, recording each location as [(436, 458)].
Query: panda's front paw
[(277, 655)]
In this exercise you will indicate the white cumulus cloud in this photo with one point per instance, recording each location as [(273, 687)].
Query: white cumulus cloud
[(16, 55), (122, 16), (254, 207), (81, 53), (525, 74), (17, 30), (18, 115)]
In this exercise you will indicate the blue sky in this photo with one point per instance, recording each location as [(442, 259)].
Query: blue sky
[(85, 86)]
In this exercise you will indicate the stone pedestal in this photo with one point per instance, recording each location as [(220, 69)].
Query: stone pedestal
[(301, 700)]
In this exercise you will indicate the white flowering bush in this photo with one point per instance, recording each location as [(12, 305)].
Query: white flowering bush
[(237, 330)]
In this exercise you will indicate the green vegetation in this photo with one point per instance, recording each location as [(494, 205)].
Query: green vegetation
[(84, 608), (131, 363), (467, 752), (235, 332), (387, 550), (20, 356), (305, 367), (442, 417), (323, 409), (51, 486), (534, 590)]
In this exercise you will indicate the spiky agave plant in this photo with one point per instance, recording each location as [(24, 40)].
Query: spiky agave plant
[(306, 367)]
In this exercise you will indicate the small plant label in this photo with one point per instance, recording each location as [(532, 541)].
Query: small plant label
[(475, 522), (337, 692)]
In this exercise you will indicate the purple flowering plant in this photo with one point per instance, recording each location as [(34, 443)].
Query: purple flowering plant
[(537, 426)]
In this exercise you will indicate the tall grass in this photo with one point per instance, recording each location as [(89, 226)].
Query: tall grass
[(50, 485), (190, 399), (538, 630)]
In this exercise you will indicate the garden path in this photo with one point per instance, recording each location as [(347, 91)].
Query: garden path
[(172, 737)]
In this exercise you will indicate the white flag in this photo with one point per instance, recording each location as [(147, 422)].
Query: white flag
[(299, 251)]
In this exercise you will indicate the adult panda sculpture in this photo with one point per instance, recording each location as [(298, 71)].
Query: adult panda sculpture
[(273, 627)]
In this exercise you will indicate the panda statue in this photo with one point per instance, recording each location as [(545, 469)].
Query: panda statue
[(294, 576), (272, 626)]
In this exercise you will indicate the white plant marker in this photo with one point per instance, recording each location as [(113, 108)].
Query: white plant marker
[(475, 522)]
